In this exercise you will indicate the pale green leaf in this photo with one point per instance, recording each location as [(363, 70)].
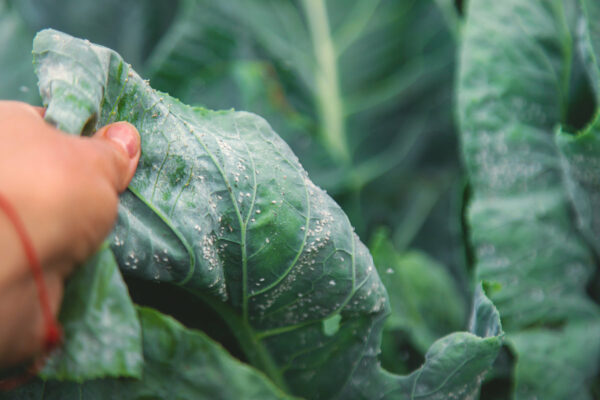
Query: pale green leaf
[(102, 336)]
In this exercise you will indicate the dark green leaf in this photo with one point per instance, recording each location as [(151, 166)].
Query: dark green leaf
[(221, 206)]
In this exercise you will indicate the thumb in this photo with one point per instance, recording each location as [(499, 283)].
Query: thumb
[(117, 147)]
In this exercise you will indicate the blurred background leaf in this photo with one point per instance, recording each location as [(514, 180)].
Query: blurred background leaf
[(425, 302)]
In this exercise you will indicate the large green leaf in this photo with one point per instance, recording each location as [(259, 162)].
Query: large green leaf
[(221, 207), (178, 364), (512, 91), (581, 151), (582, 172), (102, 336)]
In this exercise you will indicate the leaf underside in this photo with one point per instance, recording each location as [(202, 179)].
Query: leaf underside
[(102, 334)]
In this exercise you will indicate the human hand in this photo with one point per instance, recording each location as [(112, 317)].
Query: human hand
[(65, 190)]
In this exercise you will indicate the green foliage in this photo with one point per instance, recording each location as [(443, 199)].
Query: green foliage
[(221, 207), (204, 370), (522, 233), (361, 91)]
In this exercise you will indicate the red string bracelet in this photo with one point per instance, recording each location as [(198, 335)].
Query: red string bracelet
[(53, 333)]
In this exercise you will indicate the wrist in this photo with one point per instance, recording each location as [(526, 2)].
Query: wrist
[(16, 283), (13, 264)]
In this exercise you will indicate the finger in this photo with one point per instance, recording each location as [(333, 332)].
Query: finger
[(36, 111), (12, 108), (117, 149)]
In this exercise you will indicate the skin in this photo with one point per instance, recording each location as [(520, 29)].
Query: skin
[(65, 190)]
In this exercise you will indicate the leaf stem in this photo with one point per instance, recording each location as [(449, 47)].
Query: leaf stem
[(328, 95)]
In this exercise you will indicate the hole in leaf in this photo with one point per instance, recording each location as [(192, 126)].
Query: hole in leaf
[(331, 325)]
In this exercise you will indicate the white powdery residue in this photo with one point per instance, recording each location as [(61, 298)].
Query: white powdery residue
[(209, 252)]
